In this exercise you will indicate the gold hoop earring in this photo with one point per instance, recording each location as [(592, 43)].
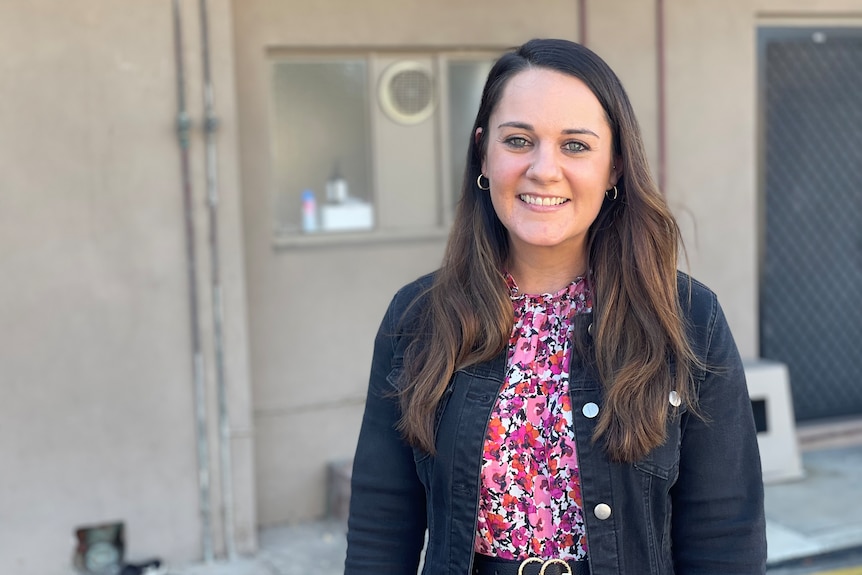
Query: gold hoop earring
[(479, 183), (616, 194)]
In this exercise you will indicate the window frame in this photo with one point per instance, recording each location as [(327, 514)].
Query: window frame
[(445, 195)]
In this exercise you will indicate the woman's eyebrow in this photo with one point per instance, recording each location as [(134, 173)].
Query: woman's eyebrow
[(581, 131), (528, 127), (520, 125)]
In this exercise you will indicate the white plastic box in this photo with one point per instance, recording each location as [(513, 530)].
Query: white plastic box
[(769, 381), (351, 215)]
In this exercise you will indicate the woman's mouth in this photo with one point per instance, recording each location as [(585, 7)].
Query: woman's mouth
[(542, 201)]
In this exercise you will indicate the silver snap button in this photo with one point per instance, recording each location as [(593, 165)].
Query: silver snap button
[(602, 511), (590, 410), (675, 399), (590, 330)]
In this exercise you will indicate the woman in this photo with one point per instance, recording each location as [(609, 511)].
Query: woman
[(557, 398)]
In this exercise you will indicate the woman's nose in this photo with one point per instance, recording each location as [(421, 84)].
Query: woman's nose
[(545, 166)]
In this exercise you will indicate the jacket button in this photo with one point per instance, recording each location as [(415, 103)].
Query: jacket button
[(602, 511), (675, 399), (590, 330), (590, 410)]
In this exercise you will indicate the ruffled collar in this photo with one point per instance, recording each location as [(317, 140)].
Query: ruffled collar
[(578, 289)]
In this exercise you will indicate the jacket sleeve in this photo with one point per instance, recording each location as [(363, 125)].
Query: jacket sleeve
[(387, 520), (718, 518)]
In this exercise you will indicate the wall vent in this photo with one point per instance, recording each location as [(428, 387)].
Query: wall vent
[(406, 92)]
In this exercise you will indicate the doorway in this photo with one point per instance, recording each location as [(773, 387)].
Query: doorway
[(811, 260)]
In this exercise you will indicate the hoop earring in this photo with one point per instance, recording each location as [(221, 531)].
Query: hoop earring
[(479, 183), (616, 194)]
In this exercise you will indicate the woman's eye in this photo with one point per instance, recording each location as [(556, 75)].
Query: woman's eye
[(574, 147), (517, 142)]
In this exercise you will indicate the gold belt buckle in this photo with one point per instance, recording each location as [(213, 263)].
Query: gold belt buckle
[(527, 561), (544, 564)]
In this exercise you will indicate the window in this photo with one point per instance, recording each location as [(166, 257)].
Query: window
[(370, 143), (466, 78), (320, 128)]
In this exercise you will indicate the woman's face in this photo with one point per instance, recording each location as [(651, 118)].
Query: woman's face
[(549, 159)]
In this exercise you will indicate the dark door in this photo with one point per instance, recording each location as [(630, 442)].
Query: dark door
[(811, 284)]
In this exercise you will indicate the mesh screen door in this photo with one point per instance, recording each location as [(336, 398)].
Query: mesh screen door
[(811, 284)]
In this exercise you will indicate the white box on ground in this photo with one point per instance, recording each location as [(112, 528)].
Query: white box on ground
[(351, 215), (769, 381)]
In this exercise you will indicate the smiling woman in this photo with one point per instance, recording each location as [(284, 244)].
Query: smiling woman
[(557, 398), (549, 159)]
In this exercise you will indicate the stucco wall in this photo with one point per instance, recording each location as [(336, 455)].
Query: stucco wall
[(96, 420), (710, 159), (314, 310), (712, 129)]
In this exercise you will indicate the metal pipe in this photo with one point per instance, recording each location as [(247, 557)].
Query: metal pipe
[(183, 128), (662, 97), (210, 127), (582, 22)]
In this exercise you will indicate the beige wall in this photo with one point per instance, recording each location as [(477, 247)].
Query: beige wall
[(712, 155), (96, 420), (314, 309), (711, 182)]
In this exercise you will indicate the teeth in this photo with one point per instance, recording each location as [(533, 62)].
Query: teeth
[(537, 201)]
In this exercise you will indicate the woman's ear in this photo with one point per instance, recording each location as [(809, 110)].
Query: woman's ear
[(616, 172), (478, 140)]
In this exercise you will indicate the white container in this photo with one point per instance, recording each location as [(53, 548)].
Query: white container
[(336, 190), (769, 382), (353, 215)]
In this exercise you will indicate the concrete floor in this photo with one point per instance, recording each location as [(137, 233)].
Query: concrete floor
[(817, 516), (822, 512)]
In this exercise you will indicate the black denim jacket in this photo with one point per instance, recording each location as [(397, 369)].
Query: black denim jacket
[(693, 506)]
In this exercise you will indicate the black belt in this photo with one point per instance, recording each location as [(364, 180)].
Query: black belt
[(484, 565)]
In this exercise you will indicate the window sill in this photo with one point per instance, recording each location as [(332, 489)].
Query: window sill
[(291, 241)]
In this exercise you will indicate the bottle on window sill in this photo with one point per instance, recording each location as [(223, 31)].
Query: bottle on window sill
[(336, 187), (309, 212)]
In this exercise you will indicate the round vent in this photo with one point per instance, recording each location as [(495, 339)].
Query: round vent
[(407, 92)]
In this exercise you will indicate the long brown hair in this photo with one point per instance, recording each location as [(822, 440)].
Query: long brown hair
[(632, 246)]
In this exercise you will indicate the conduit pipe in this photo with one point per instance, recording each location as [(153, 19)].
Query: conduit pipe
[(660, 81), (661, 96), (582, 22), (210, 128), (183, 129)]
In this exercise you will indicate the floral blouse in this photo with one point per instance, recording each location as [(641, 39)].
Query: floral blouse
[(530, 495)]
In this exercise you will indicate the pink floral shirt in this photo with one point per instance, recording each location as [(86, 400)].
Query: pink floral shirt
[(530, 495)]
